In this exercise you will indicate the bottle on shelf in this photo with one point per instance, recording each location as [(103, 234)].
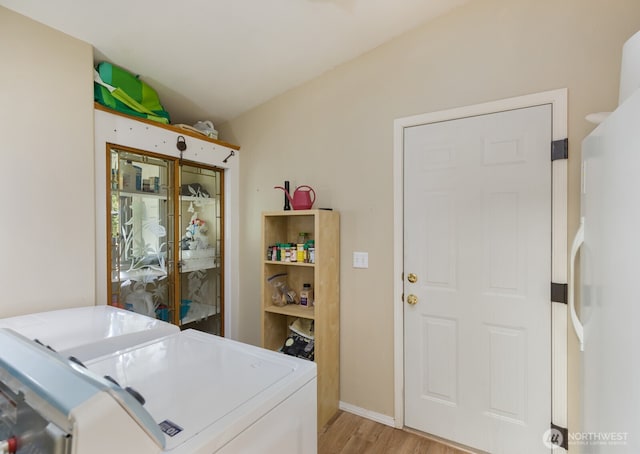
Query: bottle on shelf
[(311, 251), (306, 295)]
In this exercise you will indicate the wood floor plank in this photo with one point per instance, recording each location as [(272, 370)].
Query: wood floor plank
[(350, 434), (336, 434)]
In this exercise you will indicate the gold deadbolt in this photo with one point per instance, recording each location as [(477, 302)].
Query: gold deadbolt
[(412, 299), (413, 278)]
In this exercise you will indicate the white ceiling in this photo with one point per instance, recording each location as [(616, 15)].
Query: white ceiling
[(215, 59)]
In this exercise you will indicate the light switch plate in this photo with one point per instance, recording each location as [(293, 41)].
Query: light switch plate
[(361, 260)]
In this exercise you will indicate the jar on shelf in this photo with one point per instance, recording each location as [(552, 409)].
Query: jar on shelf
[(306, 295), (310, 245), (285, 252)]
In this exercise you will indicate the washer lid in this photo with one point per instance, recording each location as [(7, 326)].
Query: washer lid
[(89, 332), (194, 381)]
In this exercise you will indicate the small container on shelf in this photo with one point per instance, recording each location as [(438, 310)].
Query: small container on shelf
[(300, 254), (285, 255), (306, 295)]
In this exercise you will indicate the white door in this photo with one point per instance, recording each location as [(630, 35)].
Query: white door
[(477, 235)]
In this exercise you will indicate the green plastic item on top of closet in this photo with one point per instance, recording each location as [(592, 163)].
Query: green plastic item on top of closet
[(120, 90)]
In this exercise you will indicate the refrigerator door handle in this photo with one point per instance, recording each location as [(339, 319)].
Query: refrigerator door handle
[(575, 321)]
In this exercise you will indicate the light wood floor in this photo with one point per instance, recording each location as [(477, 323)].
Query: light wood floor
[(347, 433)]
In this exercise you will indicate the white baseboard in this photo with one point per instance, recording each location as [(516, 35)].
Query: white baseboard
[(372, 415)]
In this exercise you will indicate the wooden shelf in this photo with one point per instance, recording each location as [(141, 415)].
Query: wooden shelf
[(276, 262), (322, 226), (293, 310), (184, 132)]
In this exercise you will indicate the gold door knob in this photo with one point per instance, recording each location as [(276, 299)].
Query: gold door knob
[(413, 278), (412, 299)]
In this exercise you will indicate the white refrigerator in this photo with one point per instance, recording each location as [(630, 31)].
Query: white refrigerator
[(608, 320)]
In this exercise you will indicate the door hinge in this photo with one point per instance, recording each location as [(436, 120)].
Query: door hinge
[(560, 149), (559, 293), (558, 436)]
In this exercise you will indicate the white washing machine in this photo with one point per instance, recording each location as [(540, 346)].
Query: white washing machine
[(202, 394)]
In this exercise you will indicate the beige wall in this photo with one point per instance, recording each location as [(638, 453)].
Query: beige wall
[(46, 171), (335, 133)]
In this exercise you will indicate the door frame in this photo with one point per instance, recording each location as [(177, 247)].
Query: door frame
[(559, 169)]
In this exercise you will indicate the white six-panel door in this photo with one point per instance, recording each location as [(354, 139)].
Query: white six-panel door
[(477, 235)]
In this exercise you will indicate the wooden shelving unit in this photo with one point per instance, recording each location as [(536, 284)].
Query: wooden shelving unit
[(323, 226)]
